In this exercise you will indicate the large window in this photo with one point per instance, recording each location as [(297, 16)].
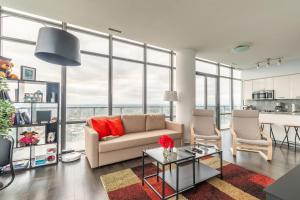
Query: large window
[(28, 29), (208, 75), (158, 81), (23, 54), (237, 94), (92, 43), (130, 51), (225, 102), (200, 92), (158, 57), (225, 71), (87, 96), (211, 92), (127, 87), (206, 67)]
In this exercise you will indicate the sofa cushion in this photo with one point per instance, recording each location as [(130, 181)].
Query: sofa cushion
[(253, 142), (89, 122), (136, 139), (155, 122), (101, 127), (134, 123), (116, 127)]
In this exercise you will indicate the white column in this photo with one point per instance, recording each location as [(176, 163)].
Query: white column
[(185, 86)]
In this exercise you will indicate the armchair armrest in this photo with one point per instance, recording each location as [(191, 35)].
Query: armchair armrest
[(193, 135), (266, 137), (217, 131), (91, 146), (233, 134)]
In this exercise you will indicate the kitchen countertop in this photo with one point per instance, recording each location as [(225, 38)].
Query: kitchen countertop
[(281, 113)]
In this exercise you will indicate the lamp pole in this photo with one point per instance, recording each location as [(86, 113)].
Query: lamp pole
[(63, 100)]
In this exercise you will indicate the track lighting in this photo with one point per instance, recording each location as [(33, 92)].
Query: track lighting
[(268, 62), (279, 61)]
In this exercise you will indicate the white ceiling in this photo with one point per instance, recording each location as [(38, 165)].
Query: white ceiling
[(211, 27)]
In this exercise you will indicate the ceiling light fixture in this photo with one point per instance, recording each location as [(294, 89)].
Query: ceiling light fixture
[(279, 61), (268, 62), (234, 65), (241, 48)]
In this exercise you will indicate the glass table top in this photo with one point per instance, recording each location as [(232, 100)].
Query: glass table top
[(181, 153)]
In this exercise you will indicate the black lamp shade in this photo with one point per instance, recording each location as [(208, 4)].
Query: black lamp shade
[(58, 47)]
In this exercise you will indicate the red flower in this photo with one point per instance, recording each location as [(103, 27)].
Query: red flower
[(166, 141)]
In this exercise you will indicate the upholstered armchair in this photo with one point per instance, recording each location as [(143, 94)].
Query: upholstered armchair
[(247, 135), (203, 129)]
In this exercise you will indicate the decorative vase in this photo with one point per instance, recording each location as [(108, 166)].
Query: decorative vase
[(166, 153)]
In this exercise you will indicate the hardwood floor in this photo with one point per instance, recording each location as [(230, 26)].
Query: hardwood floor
[(76, 181)]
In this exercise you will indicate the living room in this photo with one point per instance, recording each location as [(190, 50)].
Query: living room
[(149, 99)]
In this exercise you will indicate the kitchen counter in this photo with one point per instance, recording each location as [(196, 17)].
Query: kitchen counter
[(280, 113), (279, 119)]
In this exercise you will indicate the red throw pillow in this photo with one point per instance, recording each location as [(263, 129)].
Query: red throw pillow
[(101, 127), (116, 127)]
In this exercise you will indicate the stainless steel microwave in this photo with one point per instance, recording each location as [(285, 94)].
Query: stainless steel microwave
[(263, 95)]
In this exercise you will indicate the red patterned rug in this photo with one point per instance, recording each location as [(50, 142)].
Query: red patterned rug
[(238, 183)]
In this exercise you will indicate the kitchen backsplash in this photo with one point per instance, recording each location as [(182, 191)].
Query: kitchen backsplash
[(270, 105)]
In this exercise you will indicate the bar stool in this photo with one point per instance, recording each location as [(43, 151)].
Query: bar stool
[(262, 126), (287, 129)]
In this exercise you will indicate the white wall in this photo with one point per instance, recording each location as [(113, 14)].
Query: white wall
[(286, 68)]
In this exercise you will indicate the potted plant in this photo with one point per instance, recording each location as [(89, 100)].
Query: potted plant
[(7, 110)]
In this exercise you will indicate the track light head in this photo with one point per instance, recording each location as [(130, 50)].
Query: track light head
[(279, 61), (257, 67), (268, 62)]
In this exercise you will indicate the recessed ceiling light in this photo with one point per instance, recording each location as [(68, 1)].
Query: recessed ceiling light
[(241, 48)]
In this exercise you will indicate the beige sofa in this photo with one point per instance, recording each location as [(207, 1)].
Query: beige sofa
[(142, 132)]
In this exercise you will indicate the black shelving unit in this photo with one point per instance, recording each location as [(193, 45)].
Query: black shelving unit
[(49, 102)]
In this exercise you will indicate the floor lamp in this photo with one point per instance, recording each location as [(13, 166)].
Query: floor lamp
[(59, 47), (171, 96)]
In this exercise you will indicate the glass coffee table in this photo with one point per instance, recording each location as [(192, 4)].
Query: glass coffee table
[(188, 171)]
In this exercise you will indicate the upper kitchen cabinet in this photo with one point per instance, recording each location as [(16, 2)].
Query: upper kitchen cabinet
[(295, 83), (269, 84), (247, 90), (258, 84), (282, 87), (263, 84)]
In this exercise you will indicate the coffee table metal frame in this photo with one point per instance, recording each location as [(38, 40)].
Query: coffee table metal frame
[(181, 162)]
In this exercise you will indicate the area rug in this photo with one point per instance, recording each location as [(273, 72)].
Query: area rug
[(238, 183)]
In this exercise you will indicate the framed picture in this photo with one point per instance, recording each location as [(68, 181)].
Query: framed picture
[(28, 73)]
